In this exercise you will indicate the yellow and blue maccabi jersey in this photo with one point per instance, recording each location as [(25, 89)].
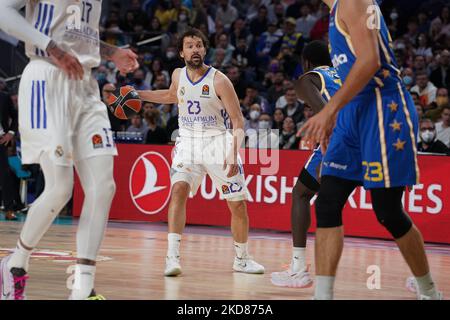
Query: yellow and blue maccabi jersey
[(330, 84), (330, 79), (374, 140), (343, 54)]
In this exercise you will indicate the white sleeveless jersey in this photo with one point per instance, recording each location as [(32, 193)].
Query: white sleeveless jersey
[(201, 112), (72, 24)]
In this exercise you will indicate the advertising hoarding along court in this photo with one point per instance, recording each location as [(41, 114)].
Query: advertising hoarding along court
[(142, 175)]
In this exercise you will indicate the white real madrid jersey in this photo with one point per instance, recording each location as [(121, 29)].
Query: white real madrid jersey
[(201, 112), (72, 24)]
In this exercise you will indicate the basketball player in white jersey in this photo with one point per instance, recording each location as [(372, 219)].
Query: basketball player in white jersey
[(207, 102), (63, 123)]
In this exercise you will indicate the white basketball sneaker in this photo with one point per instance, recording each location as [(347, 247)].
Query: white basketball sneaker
[(287, 278), (437, 296), (12, 282), (411, 285), (247, 265), (173, 267)]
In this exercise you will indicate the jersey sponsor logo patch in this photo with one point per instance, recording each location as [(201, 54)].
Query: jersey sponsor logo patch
[(97, 141), (231, 188), (225, 189), (339, 60), (59, 152), (205, 90)]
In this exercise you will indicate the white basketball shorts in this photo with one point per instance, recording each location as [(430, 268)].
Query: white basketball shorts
[(62, 116), (193, 158)]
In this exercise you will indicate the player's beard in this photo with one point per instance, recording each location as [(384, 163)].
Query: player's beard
[(195, 65)]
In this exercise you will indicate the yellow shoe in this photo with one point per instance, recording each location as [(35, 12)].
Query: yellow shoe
[(95, 296)]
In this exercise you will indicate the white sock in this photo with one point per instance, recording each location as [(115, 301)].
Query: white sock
[(324, 288), (173, 249), (241, 249), (298, 259), (20, 258), (83, 281), (426, 285)]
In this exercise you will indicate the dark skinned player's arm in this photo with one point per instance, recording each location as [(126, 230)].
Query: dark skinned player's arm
[(353, 16), (308, 89)]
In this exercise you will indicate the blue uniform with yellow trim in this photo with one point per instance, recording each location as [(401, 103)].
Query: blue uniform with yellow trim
[(374, 138), (331, 82)]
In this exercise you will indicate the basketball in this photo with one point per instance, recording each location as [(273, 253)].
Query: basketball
[(125, 102)]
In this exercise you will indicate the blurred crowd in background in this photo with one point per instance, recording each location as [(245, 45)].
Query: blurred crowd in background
[(258, 45)]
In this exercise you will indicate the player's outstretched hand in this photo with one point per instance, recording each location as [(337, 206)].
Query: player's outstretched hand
[(65, 61), (318, 129), (125, 60)]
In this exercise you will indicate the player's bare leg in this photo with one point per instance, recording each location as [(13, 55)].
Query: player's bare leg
[(177, 222), (297, 276), (411, 246), (239, 228)]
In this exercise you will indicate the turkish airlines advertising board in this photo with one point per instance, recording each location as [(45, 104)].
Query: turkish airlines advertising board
[(142, 175)]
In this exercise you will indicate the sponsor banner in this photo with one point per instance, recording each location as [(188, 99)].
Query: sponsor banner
[(142, 175)]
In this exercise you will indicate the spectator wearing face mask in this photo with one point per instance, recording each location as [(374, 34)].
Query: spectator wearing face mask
[(263, 137), (253, 117), (429, 142), (408, 78), (443, 127)]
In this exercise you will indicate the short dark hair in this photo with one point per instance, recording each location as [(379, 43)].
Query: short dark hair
[(316, 52), (192, 33), (421, 73)]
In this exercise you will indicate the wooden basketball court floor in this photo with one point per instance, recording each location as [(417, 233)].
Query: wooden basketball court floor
[(133, 257)]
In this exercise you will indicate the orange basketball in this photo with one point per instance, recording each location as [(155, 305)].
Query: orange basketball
[(125, 102)]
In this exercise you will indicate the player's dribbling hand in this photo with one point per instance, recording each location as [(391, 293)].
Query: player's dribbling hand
[(125, 60), (318, 129), (65, 61)]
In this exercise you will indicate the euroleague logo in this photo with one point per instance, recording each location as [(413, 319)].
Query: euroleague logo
[(150, 182)]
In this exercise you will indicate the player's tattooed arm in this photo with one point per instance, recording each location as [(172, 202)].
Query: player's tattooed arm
[(124, 59), (308, 89), (66, 61), (168, 96)]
